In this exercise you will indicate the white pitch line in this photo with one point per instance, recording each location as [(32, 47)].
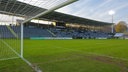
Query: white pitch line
[(94, 53), (9, 58)]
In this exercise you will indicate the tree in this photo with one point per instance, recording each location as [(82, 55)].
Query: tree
[(121, 27)]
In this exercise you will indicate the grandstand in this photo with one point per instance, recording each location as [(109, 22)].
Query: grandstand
[(86, 28), (32, 30), (93, 29), (63, 28)]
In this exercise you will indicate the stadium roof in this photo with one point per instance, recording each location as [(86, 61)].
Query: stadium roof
[(61, 17), (18, 8), (31, 9)]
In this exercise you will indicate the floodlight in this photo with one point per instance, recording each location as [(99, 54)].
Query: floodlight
[(111, 12)]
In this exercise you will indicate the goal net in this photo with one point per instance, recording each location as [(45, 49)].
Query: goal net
[(11, 32), (10, 37)]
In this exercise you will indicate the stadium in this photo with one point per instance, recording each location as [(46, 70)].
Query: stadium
[(35, 37)]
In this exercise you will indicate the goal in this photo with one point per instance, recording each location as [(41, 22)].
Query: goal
[(11, 30)]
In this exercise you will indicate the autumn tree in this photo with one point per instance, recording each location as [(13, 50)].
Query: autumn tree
[(121, 27)]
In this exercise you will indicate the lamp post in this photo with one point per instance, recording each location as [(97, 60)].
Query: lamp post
[(111, 12)]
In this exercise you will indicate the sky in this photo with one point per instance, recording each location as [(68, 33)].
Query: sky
[(98, 10), (90, 9)]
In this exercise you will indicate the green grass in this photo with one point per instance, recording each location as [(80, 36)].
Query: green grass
[(69, 56)]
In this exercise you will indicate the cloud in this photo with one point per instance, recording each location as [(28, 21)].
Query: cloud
[(101, 12), (71, 9), (83, 9)]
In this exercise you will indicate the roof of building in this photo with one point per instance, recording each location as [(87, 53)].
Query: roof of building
[(61, 17)]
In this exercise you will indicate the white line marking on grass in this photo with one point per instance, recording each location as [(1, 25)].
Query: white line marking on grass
[(92, 53), (107, 56), (9, 58), (36, 68)]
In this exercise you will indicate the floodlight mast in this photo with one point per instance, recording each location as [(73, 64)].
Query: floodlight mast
[(111, 12)]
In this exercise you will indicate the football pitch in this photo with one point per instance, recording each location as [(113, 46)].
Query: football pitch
[(71, 56)]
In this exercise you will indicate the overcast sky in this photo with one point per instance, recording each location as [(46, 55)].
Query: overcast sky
[(98, 9)]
